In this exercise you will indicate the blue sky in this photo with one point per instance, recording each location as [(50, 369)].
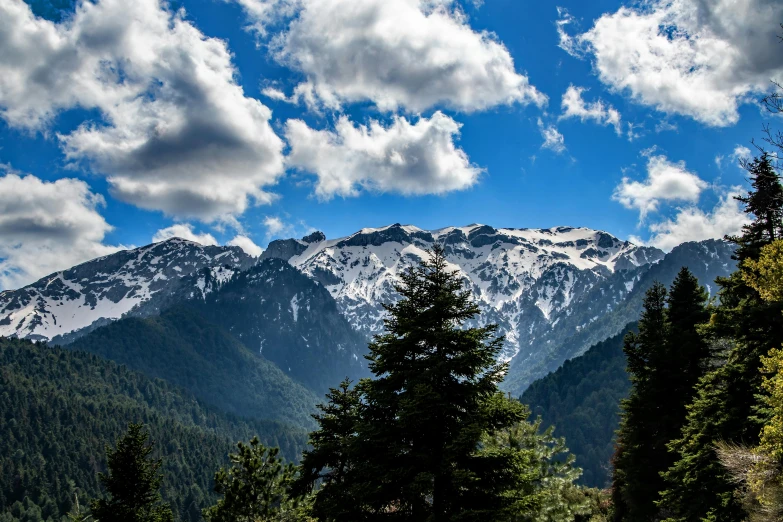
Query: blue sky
[(242, 121)]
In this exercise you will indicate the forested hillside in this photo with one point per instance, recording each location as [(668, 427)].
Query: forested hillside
[(582, 400), (59, 408), (184, 348)]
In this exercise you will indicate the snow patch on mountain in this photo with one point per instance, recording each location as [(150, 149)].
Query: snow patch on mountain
[(521, 278), (110, 287)]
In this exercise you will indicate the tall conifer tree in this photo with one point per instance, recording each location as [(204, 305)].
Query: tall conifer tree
[(726, 406), (328, 462), (633, 482), (412, 444), (665, 359), (133, 482)]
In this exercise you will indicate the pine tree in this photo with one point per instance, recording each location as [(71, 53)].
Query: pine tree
[(133, 482), (77, 514), (254, 488), (742, 330), (412, 444)]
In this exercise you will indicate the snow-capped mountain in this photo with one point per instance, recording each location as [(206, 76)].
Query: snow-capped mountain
[(139, 281), (523, 279), (553, 292)]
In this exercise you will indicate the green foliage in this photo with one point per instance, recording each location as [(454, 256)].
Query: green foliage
[(582, 400), (254, 488), (665, 361), (635, 480), (538, 458), (58, 408), (327, 462), (78, 514), (765, 203), (760, 469), (184, 348), (727, 407), (132, 482), (431, 437)]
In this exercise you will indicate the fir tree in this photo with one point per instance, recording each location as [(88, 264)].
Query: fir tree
[(635, 479), (327, 463), (665, 359), (743, 329), (415, 443), (133, 482)]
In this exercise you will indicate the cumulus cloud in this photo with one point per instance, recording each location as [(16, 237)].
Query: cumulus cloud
[(402, 157), (693, 224), (246, 244), (666, 181), (275, 226), (553, 140), (47, 226), (176, 131), (699, 58), (741, 153), (184, 231), (575, 107), (410, 54)]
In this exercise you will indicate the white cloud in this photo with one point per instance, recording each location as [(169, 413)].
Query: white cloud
[(693, 224), (274, 94), (740, 153), (411, 54), (631, 133), (575, 107), (553, 140), (176, 133), (402, 157), (566, 42), (663, 126), (276, 226), (47, 226), (666, 181), (700, 58), (184, 231), (246, 244)]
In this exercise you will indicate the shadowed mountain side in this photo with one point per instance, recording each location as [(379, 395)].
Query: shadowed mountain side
[(182, 347)]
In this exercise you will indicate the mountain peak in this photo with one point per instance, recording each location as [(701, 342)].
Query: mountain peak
[(315, 237)]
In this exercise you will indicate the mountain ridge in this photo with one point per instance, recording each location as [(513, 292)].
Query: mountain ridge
[(553, 292)]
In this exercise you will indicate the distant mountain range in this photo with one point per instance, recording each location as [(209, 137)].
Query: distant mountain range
[(310, 305)]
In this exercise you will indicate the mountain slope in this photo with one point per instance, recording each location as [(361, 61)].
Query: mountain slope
[(582, 400), (182, 347), (60, 408), (609, 306), (289, 319), (66, 304)]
